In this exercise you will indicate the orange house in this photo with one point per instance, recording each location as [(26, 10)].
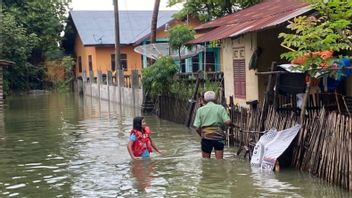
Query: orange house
[(90, 37)]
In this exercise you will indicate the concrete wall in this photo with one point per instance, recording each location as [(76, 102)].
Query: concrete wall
[(129, 96), (106, 91), (249, 43)]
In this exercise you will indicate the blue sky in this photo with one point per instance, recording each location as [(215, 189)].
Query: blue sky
[(123, 5)]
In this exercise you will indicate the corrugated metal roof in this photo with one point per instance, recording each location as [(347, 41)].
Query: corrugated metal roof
[(260, 16), (97, 27)]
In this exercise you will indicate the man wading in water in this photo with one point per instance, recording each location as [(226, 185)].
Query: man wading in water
[(210, 120)]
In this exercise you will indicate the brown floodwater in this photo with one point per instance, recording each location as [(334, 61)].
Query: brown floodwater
[(63, 145)]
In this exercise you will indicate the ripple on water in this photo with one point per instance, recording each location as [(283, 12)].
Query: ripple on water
[(15, 186), (55, 179), (13, 194)]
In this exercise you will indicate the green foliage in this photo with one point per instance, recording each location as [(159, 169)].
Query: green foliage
[(329, 31), (179, 36), (214, 44), (68, 62), (184, 88), (158, 77), (30, 33), (207, 10), (65, 64), (16, 44)]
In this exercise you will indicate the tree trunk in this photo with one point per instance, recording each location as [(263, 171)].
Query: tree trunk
[(154, 21)]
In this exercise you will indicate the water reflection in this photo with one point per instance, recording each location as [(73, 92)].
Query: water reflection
[(2, 126), (268, 182), (141, 171)]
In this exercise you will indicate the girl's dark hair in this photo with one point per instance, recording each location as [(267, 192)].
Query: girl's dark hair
[(137, 123)]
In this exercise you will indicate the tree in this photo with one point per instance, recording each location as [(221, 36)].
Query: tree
[(30, 31), (154, 21), (315, 37), (179, 36), (16, 44), (207, 10)]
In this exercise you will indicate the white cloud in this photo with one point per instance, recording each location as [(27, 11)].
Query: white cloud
[(123, 5)]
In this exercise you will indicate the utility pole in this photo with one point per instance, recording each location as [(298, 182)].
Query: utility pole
[(117, 50), (117, 36)]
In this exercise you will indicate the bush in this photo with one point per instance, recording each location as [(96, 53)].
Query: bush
[(158, 77)]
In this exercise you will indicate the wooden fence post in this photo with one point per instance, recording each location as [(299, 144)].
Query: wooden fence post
[(134, 84), (268, 90), (91, 79), (304, 104), (1, 88), (192, 103), (232, 116), (99, 81), (108, 83)]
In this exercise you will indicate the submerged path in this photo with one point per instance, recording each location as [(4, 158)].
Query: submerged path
[(66, 146)]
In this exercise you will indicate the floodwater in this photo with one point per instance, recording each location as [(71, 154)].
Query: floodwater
[(55, 145)]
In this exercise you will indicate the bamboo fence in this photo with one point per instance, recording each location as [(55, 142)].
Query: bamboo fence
[(323, 146)]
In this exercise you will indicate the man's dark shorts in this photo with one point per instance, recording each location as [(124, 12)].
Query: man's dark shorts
[(208, 145)]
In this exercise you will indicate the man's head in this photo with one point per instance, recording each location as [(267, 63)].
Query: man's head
[(209, 96)]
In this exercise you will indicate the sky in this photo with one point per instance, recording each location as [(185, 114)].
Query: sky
[(123, 5)]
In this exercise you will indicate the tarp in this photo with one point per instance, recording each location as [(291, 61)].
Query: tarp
[(271, 145)]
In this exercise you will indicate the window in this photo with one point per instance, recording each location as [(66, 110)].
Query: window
[(183, 65), (79, 64), (195, 63), (90, 63), (239, 71), (113, 66), (210, 62), (123, 62)]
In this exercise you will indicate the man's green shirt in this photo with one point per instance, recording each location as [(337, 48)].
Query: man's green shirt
[(210, 114)]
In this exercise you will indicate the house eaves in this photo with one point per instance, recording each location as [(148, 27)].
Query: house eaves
[(279, 12)]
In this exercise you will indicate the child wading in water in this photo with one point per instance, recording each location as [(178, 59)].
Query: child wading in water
[(140, 143)]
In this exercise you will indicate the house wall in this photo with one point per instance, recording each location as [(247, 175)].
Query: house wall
[(134, 60), (101, 56), (84, 52), (269, 42), (249, 42)]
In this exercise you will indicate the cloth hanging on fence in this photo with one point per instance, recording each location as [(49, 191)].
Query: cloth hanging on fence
[(271, 146)]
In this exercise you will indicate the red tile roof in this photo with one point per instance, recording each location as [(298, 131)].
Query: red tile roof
[(260, 16)]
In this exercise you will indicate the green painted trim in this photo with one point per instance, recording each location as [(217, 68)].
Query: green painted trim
[(157, 40), (189, 65), (217, 59), (200, 61)]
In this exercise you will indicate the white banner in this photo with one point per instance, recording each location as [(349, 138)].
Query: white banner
[(271, 145)]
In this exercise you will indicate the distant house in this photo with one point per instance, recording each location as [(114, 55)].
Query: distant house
[(90, 37), (245, 33)]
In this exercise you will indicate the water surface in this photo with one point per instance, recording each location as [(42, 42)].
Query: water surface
[(56, 145)]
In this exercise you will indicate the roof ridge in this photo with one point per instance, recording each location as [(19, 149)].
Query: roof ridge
[(222, 20), (122, 10), (256, 18)]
